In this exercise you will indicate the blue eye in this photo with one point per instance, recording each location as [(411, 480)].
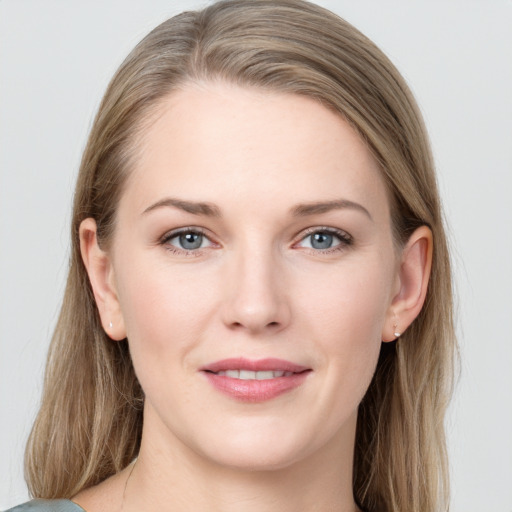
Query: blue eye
[(190, 241), (325, 239), (187, 240), (322, 240)]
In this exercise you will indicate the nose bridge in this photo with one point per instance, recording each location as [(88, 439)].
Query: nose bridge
[(257, 300)]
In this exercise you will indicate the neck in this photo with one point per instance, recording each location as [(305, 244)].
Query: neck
[(170, 476)]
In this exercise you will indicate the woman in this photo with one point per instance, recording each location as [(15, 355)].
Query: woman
[(258, 309)]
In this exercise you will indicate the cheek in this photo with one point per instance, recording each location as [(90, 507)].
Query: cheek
[(164, 316), (347, 312), (350, 303), (164, 311)]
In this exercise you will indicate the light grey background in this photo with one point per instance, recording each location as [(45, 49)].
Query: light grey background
[(55, 60)]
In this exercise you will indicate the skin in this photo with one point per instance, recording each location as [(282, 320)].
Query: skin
[(258, 287)]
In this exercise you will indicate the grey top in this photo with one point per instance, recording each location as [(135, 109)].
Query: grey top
[(47, 506)]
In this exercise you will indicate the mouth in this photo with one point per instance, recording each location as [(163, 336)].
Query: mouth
[(251, 375), (255, 380)]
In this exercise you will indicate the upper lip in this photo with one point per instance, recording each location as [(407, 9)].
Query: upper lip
[(255, 365)]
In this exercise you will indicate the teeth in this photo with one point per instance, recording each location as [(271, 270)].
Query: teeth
[(250, 375), (247, 375), (264, 375)]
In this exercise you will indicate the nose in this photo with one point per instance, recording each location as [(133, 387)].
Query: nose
[(256, 300)]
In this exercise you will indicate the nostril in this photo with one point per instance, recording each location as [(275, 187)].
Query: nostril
[(240, 325)]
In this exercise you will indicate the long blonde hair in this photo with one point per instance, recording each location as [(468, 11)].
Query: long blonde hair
[(90, 422)]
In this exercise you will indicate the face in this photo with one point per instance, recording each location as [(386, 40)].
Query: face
[(255, 270)]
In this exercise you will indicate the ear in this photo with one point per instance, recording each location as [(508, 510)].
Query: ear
[(413, 277), (101, 275)]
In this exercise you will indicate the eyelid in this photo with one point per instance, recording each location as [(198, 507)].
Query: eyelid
[(173, 233), (168, 235), (325, 229)]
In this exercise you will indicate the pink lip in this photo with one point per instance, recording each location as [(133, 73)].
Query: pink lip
[(255, 390)]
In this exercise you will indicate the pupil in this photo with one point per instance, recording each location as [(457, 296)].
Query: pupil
[(191, 240), (321, 241)]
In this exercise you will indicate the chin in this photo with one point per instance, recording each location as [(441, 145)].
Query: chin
[(259, 448), (253, 459)]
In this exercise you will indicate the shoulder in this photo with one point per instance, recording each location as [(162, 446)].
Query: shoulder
[(47, 506)]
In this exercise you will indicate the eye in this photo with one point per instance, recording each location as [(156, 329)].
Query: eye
[(187, 240), (324, 239)]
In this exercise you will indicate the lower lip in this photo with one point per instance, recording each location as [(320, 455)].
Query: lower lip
[(255, 390)]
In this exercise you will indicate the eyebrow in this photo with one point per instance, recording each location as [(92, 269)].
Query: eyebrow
[(303, 210), (300, 210), (196, 208)]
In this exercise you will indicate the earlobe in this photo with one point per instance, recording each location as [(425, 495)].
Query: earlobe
[(413, 277), (99, 269)]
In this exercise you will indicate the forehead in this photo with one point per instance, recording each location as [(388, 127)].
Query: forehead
[(220, 142)]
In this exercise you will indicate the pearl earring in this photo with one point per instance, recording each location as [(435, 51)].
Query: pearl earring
[(110, 325), (395, 329)]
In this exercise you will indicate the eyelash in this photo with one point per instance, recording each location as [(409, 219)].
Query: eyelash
[(344, 238), (164, 241)]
